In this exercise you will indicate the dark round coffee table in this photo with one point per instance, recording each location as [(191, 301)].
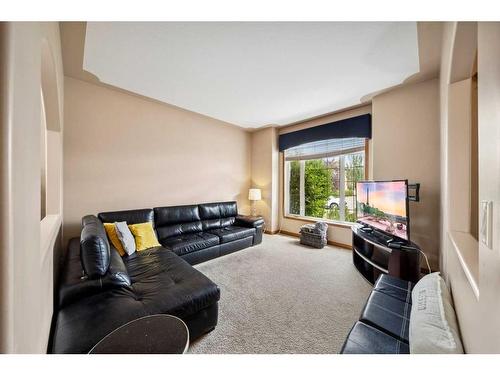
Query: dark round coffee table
[(154, 334)]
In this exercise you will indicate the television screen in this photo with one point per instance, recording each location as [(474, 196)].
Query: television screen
[(384, 206)]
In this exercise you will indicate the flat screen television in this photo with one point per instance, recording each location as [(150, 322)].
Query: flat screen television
[(383, 206)]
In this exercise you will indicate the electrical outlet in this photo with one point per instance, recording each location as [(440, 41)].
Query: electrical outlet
[(486, 224)]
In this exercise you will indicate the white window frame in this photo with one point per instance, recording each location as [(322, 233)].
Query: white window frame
[(342, 202)]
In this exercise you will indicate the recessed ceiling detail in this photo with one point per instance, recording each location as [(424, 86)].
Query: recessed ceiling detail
[(253, 74)]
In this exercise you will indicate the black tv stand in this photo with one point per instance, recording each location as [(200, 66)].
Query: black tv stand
[(366, 229), (375, 253)]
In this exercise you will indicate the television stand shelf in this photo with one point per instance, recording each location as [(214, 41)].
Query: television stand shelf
[(373, 257)]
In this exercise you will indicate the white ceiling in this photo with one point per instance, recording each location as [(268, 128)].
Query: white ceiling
[(253, 74)]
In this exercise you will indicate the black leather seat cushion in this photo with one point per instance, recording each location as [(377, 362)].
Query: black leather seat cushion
[(364, 339), (387, 314), (162, 283), (187, 243), (232, 233), (394, 287)]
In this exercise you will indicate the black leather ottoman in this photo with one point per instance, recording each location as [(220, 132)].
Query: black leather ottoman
[(388, 314), (394, 287), (383, 327), (364, 339)]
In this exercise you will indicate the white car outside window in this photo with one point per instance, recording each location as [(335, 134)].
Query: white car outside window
[(332, 202)]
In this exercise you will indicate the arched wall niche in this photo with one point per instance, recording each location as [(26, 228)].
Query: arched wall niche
[(51, 169), (49, 88)]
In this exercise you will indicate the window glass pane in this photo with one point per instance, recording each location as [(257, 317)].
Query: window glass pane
[(325, 148), (332, 211), (354, 172), (318, 187), (294, 188)]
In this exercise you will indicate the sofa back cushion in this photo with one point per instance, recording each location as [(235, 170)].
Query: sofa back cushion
[(94, 247), (228, 213), (210, 216), (176, 220), (217, 215), (130, 216)]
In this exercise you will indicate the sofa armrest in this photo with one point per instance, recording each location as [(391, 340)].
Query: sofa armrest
[(94, 247), (249, 221), (76, 285)]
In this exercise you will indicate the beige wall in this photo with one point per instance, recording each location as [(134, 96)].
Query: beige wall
[(29, 251), (475, 292), (125, 152), (405, 144), (265, 174)]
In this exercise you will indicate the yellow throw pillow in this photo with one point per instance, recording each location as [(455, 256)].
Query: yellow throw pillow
[(144, 235), (113, 237)]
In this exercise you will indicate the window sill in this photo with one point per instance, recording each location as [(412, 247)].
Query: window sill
[(467, 250), (341, 224)]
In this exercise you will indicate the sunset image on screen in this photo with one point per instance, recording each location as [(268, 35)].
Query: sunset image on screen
[(382, 205)]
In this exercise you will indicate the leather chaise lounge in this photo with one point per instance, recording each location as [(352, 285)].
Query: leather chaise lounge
[(100, 291)]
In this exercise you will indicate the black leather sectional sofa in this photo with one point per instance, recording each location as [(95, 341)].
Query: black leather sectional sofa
[(100, 291), (383, 326)]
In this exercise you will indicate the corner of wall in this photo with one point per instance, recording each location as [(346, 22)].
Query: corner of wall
[(264, 173)]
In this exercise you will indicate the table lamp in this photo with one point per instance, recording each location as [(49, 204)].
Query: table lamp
[(253, 196)]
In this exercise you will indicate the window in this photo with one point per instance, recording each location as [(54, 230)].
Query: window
[(320, 178)]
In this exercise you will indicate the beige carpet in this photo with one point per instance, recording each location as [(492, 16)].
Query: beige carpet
[(282, 297)]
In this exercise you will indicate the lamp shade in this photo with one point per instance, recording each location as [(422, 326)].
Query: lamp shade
[(254, 195)]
